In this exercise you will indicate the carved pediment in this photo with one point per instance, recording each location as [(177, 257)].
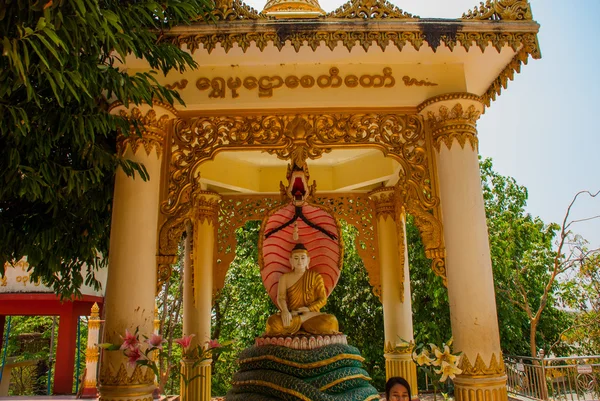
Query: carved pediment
[(369, 9), (501, 10)]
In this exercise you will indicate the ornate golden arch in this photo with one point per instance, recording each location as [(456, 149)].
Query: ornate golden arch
[(401, 136)]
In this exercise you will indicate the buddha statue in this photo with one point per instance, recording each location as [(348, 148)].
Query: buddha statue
[(300, 296)]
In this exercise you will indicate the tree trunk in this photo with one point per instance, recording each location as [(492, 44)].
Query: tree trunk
[(540, 375)]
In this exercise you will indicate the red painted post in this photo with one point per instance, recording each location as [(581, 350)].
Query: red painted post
[(65, 350), (2, 322)]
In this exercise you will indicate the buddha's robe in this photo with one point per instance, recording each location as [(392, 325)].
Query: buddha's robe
[(308, 291)]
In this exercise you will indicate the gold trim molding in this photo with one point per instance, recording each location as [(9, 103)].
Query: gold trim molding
[(307, 365), (92, 354), (480, 368), (498, 10), (297, 38), (344, 379), (400, 349), (449, 96)]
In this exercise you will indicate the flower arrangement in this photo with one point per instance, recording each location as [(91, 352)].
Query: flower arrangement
[(438, 363), (153, 353)]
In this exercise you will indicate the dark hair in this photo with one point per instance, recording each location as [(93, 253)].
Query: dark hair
[(392, 381)]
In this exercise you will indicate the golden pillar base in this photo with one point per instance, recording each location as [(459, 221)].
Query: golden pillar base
[(199, 387), (402, 364), (135, 392), (480, 388)]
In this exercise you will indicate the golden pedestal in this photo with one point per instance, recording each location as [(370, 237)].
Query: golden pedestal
[(199, 387), (402, 364), (480, 388)]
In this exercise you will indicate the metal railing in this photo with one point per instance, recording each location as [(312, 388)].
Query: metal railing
[(565, 379)]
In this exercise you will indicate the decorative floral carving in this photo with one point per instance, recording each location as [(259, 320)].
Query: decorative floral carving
[(369, 9), (163, 269), (298, 37), (234, 10), (153, 130), (496, 10), (385, 202), (205, 206), (495, 367), (507, 74), (456, 123), (198, 139), (91, 355), (430, 228), (140, 375)]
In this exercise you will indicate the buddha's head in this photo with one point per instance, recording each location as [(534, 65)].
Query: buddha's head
[(299, 258)]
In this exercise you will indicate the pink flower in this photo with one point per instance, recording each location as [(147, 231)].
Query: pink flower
[(185, 341), (130, 341), (133, 355), (214, 344), (156, 341)]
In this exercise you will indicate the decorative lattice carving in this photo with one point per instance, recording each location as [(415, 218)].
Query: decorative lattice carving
[(357, 210), (235, 211)]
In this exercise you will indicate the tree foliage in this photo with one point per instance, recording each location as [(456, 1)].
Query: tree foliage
[(532, 263), (62, 62), (358, 310), (241, 308)]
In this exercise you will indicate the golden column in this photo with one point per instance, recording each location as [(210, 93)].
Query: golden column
[(198, 287), (451, 122), (91, 354), (395, 285), (131, 282)]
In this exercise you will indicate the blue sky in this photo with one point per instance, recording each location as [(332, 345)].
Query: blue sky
[(543, 130)]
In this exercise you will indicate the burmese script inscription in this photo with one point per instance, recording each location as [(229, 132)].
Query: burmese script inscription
[(266, 85)]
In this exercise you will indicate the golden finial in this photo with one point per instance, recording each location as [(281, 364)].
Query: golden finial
[(293, 9), (95, 312)]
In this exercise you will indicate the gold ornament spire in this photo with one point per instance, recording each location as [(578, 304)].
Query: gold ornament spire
[(293, 9)]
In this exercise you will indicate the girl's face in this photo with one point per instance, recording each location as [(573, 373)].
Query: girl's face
[(399, 393)]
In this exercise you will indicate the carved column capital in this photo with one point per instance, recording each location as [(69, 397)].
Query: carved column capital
[(205, 206), (385, 202), (155, 121), (453, 116)]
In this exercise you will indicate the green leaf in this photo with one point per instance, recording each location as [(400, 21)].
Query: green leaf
[(50, 48)]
